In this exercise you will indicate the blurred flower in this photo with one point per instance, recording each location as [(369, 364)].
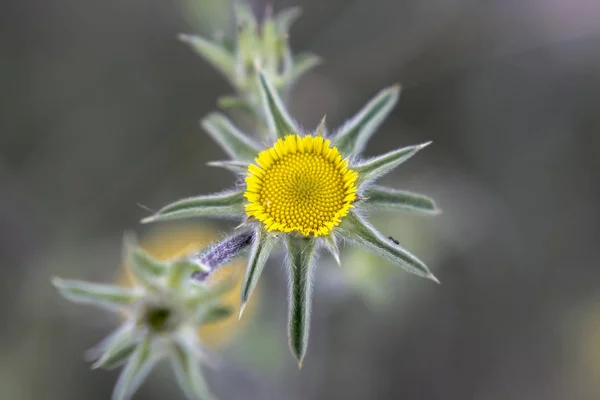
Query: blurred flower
[(257, 46), (180, 241), (305, 192), (163, 311)]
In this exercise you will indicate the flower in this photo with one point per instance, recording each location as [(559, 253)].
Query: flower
[(161, 316), (307, 191), (180, 241), (300, 184), (255, 46)]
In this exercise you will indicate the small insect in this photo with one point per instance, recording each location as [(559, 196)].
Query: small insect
[(393, 240)]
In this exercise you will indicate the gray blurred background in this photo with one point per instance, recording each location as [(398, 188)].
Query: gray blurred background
[(99, 110)]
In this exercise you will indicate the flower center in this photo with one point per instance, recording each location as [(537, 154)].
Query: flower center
[(159, 317), (300, 184)]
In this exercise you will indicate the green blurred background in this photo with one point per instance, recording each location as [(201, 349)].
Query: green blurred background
[(99, 110)]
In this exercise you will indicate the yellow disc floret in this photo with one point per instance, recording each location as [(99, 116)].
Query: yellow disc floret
[(301, 184)]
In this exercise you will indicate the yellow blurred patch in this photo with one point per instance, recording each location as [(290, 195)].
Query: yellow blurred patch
[(176, 241)]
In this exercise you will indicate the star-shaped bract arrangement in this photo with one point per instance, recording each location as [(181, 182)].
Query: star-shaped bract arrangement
[(161, 314), (303, 193)]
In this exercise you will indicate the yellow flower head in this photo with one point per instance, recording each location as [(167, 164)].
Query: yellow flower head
[(300, 184)]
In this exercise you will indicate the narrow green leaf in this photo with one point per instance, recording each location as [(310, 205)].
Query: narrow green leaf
[(235, 103), (379, 197), (301, 252), (226, 43), (93, 354), (376, 167), (216, 313), (285, 18), (285, 75), (269, 45), (332, 247), (143, 277), (302, 63), (118, 348), (144, 269), (261, 249), (188, 374), (217, 55), (236, 144), (145, 262), (136, 370), (206, 293), (179, 273), (220, 204), (244, 15), (359, 231), (354, 135), (278, 120), (233, 166), (321, 129), (110, 296), (117, 358)]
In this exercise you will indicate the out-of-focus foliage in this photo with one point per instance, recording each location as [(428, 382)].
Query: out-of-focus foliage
[(165, 314), (256, 46), (184, 239)]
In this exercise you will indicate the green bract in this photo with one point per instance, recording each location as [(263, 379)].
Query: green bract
[(256, 46), (161, 314), (301, 250)]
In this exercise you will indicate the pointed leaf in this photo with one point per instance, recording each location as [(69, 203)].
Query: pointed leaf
[(354, 135), (109, 296), (145, 262), (301, 252), (359, 231), (303, 62), (285, 76), (285, 18), (216, 314), (261, 249), (321, 129), (206, 293), (188, 374), (118, 348), (236, 144), (140, 264), (220, 204), (179, 273), (215, 54), (387, 198), (233, 166), (136, 370), (244, 15), (332, 247), (143, 277), (376, 167), (269, 45), (235, 103), (93, 354), (278, 120), (226, 43)]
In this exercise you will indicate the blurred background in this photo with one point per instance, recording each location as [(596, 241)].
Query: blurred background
[(99, 110)]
